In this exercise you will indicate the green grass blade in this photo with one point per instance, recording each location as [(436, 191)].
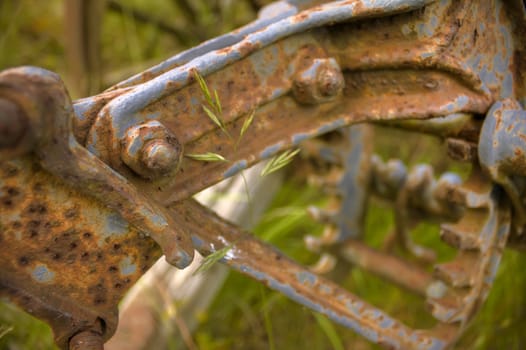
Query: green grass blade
[(207, 157), (212, 259), (5, 330), (204, 87), (267, 319), (279, 162), (244, 128), (217, 103), (212, 108), (246, 124), (327, 328), (216, 120), (213, 116)]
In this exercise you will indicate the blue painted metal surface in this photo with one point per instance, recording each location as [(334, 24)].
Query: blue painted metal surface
[(282, 41), (264, 263), (501, 151)]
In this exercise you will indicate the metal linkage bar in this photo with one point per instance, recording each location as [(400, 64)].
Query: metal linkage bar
[(300, 85), (264, 263)]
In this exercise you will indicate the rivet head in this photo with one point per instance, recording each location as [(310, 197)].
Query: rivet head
[(151, 150), (320, 82)]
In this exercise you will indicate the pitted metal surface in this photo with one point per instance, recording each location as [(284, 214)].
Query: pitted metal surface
[(65, 258)]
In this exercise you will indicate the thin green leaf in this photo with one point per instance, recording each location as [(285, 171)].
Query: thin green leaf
[(246, 124), (203, 86), (218, 103), (213, 108), (249, 200), (207, 157), (212, 259), (329, 331), (5, 330), (267, 319), (279, 162), (213, 117), (216, 120)]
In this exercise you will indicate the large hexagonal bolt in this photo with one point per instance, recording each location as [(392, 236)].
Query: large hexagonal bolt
[(151, 150), (321, 82)]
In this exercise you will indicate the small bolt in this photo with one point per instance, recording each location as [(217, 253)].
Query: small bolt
[(436, 290), (461, 150), (151, 150), (87, 340), (321, 82), (12, 124), (330, 81), (160, 155)]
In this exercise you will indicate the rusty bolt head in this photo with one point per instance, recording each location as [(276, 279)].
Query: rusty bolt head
[(321, 82), (151, 150), (87, 340)]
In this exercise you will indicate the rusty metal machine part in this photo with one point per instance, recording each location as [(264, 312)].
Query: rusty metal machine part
[(316, 67), (59, 181), (47, 106), (169, 98), (479, 226)]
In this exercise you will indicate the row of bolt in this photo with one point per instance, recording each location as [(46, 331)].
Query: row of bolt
[(150, 149)]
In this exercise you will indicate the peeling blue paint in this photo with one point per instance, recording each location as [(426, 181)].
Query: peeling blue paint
[(265, 62), (406, 30), (197, 242), (338, 123), (42, 274), (123, 109), (457, 105), (305, 277), (386, 323), (427, 54), (325, 289), (236, 168), (298, 138), (114, 226), (270, 151), (127, 267), (92, 142), (155, 218), (153, 116), (81, 107), (278, 92), (363, 328)]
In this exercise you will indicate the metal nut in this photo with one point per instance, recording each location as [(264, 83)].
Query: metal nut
[(321, 82), (151, 150), (87, 340)]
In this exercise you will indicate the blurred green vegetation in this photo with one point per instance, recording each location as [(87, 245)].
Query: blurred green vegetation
[(246, 315)]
